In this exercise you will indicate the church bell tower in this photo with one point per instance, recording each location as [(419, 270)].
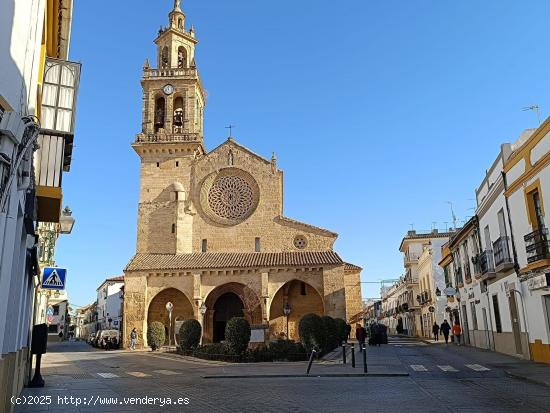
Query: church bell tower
[(171, 138), (173, 96)]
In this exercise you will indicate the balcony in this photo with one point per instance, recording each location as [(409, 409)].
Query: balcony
[(410, 259), (459, 281), (58, 107), (167, 138), (487, 264), (503, 260), (537, 245)]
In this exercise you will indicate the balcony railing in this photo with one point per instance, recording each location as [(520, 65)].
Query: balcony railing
[(537, 245), (169, 72), (503, 260), (163, 138), (486, 262), (458, 276), (410, 259)]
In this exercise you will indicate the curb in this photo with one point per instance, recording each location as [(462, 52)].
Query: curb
[(527, 379), (269, 376)]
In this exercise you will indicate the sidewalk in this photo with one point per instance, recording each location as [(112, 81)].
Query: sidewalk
[(530, 371)]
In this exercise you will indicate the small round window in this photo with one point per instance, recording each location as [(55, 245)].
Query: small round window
[(300, 242)]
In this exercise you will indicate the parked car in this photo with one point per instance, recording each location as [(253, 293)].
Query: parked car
[(108, 337)]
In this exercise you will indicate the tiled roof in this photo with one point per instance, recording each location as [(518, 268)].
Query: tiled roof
[(117, 278), (211, 260), (351, 267)]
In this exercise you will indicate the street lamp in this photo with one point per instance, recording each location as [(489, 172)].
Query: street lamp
[(286, 310), (169, 308), (66, 221), (203, 310)]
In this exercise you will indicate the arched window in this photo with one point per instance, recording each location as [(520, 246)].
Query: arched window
[(180, 23), (164, 60), (182, 57), (179, 115), (230, 158), (160, 110)]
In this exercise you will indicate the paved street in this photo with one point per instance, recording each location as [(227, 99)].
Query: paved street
[(441, 378)]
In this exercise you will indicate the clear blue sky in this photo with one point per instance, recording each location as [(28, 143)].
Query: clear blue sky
[(379, 112)]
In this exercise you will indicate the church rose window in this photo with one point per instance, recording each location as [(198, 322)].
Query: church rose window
[(300, 242), (229, 197)]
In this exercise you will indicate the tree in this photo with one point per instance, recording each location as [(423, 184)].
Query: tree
[(250, 301)]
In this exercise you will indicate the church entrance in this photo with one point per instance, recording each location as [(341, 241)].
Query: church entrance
[(227, 306)]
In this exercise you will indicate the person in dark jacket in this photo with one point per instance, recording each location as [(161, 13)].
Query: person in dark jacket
[(360, 334), (435, 331), (348, 331), (445, 330)]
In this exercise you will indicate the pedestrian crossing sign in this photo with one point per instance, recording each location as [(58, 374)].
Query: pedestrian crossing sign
[(53, 278)]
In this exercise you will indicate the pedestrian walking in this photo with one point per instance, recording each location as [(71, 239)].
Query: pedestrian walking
[(435, 331), (360, 334), (348, 332), (445, 329), (133, 339), (378, 334), (457, 332)]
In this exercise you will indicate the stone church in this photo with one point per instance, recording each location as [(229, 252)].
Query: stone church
[(212, 238)]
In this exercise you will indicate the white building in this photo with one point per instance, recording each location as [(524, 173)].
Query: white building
[(431, 282), (110, 303), (527, 191), (34, 38)]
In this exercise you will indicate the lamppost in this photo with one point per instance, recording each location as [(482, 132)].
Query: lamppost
[(286, 310), (66, 221), (169, 308), (203, 310)]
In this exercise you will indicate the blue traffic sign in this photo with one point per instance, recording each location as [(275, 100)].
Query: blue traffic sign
[(54, 278)]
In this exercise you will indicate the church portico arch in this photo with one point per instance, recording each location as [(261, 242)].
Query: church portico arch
[(302, 299), (225, 302), (183, 309)]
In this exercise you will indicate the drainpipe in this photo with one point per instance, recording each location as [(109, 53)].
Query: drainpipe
[(514, 253)]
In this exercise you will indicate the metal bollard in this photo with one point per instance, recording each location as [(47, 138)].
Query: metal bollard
[(364, 359), (310, 361), (352, 355), (344, 352)]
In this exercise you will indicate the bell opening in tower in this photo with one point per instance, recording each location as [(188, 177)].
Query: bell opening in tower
[(160, 110)]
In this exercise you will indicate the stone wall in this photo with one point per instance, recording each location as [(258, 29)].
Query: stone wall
[(354, 301)]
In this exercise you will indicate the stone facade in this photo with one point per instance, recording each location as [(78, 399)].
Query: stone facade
[(211, 224)]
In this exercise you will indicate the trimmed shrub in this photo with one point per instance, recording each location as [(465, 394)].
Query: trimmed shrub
[(155, 335), (287, 350), (260, 354), (341, 329), (190, 334), (237, 334), (331, 337), (311, 331)]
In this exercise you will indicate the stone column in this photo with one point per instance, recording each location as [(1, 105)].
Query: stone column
[(264, 298)]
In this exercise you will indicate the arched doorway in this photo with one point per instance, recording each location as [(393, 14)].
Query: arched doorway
[(225, 302), (229, 305), (183, 309), (302, 299)]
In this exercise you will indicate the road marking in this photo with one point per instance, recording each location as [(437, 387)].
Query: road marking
[(138, 374), (107, 375), (477, 367), (166, 372), (418, 367), (447, 368)]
